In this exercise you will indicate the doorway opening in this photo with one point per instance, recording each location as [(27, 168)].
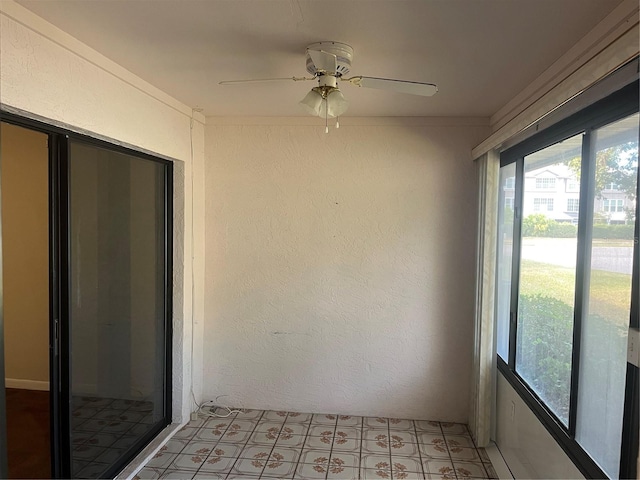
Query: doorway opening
[(24, 160)]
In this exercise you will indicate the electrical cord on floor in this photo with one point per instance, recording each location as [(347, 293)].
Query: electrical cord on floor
[(209, 410)]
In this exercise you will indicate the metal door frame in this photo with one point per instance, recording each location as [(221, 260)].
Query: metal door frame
[(59, 281)]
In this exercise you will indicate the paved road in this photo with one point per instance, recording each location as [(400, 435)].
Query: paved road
[(562, 252)]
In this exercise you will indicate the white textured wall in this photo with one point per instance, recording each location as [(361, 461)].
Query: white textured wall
[(47, 74), (340, 267)]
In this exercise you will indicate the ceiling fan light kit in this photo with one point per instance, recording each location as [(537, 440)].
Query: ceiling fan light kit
[(326, 99), (328, 62), (321, 101)]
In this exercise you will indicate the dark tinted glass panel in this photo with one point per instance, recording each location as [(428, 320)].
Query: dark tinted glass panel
[(117, 305)]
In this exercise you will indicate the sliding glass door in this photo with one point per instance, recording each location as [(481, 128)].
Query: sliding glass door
[(115, 277), (110, 302)]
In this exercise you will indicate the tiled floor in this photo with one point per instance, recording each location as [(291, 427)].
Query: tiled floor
[(266, 444), (102, 429)]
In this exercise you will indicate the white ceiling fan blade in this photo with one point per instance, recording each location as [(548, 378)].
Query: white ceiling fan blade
[(258, 80), (325, 62), (402, 86)]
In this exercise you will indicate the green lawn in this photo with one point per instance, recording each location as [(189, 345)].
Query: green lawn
[(610, 292)]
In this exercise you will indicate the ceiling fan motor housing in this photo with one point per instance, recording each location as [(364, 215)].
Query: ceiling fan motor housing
[(342, 51)]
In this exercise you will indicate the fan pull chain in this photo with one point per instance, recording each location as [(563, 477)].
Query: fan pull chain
[(326, 116)]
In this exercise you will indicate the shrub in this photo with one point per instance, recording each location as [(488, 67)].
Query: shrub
[(562, 230), (621, 232), (545, 336), (539, 225), (545, 345), (536, 225)]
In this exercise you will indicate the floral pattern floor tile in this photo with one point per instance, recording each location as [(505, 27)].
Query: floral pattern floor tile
[(255, 444), (177, 474), (277, 469)]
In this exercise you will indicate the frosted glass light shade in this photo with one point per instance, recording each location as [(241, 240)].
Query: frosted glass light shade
[(336, 104), (320, 103), (312, 103)]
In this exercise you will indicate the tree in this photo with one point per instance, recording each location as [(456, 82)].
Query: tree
[(617, 165)]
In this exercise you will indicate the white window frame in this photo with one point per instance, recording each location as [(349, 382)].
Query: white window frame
[(573, 205), (545, 183), (540, 202)]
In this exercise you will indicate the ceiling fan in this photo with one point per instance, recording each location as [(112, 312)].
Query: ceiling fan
[(329, 62)]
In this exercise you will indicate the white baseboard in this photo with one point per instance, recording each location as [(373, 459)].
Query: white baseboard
[(499, 465), (26, 384)]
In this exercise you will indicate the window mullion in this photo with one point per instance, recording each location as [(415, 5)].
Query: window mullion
[(583, 267), (515, 266)]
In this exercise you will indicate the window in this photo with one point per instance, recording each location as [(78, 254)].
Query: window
[(612, 186), (564, 288), (573, 185), (606, 309), (543, 204), (508, 203), (613, 205), (510, 183), (544, 335), (572, 205), (546, 183)]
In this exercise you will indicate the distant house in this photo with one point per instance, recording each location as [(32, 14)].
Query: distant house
[(554, 191), (614, 204)]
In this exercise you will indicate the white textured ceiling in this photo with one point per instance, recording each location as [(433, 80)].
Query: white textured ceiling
[(480, 53)]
